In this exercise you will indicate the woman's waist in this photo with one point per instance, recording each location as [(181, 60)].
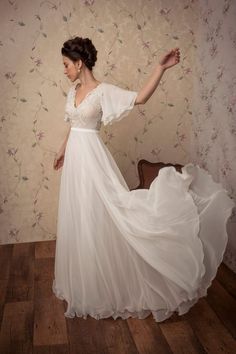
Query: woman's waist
[(89, 130)]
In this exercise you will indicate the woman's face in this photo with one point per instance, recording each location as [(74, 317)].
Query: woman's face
[(70, 69)]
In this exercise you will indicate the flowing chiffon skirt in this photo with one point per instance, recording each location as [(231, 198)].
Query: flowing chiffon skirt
[(125, 253)]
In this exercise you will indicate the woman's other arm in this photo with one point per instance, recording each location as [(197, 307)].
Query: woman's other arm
[(170, 59), (59, 158)]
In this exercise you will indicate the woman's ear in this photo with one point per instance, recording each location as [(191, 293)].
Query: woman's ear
[(78, 64)]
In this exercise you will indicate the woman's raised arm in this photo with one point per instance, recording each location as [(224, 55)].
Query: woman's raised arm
[(168, 60)]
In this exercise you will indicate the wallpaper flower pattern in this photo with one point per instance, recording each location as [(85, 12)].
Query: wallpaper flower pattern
[(213, 140), (130, 37)]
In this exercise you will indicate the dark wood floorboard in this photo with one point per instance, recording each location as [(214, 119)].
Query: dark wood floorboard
[(32, 318)]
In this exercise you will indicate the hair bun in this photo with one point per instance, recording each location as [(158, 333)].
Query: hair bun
[(80, 48)]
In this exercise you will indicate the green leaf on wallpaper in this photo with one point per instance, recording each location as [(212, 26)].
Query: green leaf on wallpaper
[(31, 70), (45, 109), (100, 30), (23, 100), (170, 105), (64, 18), (25, 178), (44, 34), (175, 37), (34, 224), (33, 145), (21, 23)]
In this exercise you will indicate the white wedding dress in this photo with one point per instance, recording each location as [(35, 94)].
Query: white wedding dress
[(125, 253)]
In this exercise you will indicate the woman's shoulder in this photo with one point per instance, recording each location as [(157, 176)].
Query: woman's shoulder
[(107, 84), (108, 87)]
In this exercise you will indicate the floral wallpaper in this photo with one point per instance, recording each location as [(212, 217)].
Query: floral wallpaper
[(130, 37), (213, 140)]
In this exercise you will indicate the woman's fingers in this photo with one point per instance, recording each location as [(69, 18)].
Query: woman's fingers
[(58, 162)]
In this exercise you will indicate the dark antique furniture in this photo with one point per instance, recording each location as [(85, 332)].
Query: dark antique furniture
[(147, 171)]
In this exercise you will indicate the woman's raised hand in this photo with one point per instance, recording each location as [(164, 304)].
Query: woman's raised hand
[(170, 59)]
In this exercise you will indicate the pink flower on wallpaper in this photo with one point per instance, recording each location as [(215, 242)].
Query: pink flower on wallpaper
[(88, 2), (38, 62), (9, 75), (112, 66), (232, 101), (231, 104), (110, 135), (13, 233), (182, 137), (40, 135), (39, 216), (164, 11), (146, 44), (12, 151)]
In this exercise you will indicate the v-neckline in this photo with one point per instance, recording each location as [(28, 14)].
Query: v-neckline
[(74, 95)]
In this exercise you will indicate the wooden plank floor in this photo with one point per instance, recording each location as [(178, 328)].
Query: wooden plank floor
[(32, 318)]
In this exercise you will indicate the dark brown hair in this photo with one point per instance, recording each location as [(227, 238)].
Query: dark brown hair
[(80, 48)]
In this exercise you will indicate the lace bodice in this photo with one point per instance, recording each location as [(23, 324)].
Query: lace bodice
[(105, 104)]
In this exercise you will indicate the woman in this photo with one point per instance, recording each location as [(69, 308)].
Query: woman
[(125, 253)]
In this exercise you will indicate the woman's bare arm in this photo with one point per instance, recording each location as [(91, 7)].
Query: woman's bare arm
[(170, 59), (63, 146), (59, 157)]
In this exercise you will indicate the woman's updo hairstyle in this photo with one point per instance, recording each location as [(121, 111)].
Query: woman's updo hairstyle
[(80, 48)]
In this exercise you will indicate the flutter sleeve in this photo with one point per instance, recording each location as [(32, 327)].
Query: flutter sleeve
[(116, 103)]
